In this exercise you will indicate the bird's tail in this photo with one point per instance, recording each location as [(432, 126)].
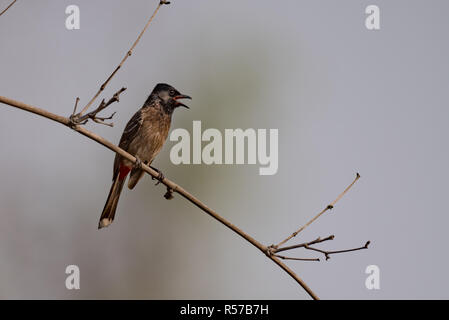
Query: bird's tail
[(107, 216)]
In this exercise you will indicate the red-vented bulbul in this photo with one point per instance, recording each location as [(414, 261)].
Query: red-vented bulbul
[(143, 137)]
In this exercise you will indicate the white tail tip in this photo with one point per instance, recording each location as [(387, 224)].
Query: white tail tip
[(104, 223)]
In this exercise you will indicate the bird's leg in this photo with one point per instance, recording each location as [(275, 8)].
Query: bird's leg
[(160, 177)]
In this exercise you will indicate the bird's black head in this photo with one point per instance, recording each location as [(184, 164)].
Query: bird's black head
[(168, 96)]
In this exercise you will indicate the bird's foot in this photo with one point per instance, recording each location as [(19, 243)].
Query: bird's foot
[(160, 176), (137, 163)]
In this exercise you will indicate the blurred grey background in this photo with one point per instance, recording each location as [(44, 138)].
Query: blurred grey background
[(345, 100)]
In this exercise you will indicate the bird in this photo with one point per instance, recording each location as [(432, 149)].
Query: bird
[(143, 137)]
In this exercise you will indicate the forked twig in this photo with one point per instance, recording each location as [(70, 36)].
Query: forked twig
[(77, 118), (329, 207), (307, 245)]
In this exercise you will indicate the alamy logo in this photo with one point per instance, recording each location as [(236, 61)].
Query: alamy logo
[(255, 148), (373, 280), (72, 22), (73, 280), (372, 21)]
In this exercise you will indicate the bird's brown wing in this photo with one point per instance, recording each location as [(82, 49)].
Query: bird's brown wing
[(130, 132)]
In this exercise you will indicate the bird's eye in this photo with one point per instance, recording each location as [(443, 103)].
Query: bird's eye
[(172, 92)]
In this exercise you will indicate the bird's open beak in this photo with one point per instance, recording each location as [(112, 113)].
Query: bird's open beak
[(180, 104)]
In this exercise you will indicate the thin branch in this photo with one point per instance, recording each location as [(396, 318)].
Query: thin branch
[(329, 207), (328, 253), (76, 105), (302, 245), (10, 5), (173, 187), (298, 259), (128, 53)]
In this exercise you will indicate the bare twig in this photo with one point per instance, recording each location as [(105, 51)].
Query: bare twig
[(171, 186), (302, 245), (6, 9), (328, 253), (329, 207), (76, 106), (298, 259), (128, 53)]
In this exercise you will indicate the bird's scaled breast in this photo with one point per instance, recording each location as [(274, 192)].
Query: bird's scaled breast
[(154, 132)]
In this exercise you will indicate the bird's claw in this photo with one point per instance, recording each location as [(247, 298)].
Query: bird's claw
[(160, 176), (138, 163)]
